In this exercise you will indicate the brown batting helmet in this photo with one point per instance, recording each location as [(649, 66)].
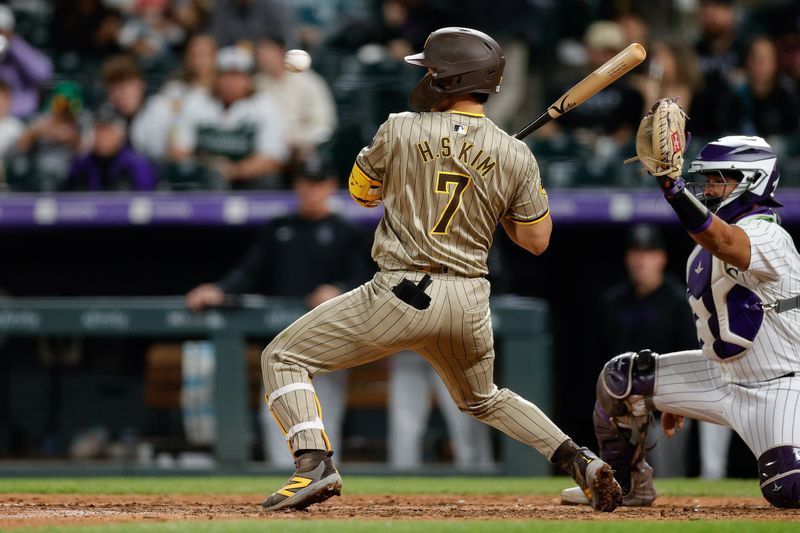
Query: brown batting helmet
[(461, 61)]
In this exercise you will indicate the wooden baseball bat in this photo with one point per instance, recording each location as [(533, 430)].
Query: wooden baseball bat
[(605, 75)]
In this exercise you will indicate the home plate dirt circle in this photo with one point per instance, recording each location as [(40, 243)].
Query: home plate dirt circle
[(62, 509)]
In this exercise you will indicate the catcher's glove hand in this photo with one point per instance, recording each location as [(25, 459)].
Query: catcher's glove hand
[(661, 140)]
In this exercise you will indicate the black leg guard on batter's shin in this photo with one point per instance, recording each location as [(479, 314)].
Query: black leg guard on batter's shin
[(779, 475), (622, 413)]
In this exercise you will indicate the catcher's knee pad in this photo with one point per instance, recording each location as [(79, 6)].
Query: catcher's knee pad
[(625, 380), (622, 411), (779, 475)]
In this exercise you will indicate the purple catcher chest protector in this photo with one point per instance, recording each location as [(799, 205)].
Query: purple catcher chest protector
[(727, 315)]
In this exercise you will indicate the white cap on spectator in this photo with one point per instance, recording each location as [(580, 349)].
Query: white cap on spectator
[(234, 58), (604, 35), (7, 20)]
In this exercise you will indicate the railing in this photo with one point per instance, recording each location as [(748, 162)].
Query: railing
[(569, 206), (521, 330)]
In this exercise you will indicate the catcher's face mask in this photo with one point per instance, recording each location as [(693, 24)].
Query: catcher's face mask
[(713, 187), (734, 174)]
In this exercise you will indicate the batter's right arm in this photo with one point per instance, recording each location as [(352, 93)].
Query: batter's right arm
[(366, 178), (533, 236)]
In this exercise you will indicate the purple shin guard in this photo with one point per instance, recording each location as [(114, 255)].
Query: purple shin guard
[(621, 417), (779, 476), (613, 447)]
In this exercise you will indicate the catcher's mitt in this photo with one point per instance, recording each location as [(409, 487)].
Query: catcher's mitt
[(661, 139)]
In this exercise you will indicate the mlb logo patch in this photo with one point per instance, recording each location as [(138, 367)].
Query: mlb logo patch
[(460, 129)]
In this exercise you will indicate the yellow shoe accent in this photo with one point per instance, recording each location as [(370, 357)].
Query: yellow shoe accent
[(299, 483)]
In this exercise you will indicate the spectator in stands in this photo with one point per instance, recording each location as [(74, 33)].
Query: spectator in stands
[(313, 254), (234, 21), (111, 165), (24, 68), (396, 27), (124, 85), (648, 310), (603, 126), (716, 108), (781, 22), (84, 29), (200, 63), (190, 14), (236, 132), (719, 49), (316, 19), (48, 146), (672, 72), (304, 98), (150, 34), (770, 101), (616, 110), (10, 126), (152, 128), (634, 27)]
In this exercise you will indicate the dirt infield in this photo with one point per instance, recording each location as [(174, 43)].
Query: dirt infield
[(27, 509)]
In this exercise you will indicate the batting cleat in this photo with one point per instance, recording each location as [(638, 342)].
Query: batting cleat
[(642, 493), (314, 480), (596, 480)]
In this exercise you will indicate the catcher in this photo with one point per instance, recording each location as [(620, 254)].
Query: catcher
[(743, 281)]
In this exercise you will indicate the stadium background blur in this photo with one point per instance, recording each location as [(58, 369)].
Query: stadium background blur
[(101, 63)]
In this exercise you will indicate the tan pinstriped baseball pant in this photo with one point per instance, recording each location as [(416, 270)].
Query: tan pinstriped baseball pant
[(368, 323)]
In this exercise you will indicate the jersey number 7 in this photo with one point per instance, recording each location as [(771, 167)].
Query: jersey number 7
[(460, 183)]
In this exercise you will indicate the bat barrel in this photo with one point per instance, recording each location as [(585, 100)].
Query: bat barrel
[(608, 73)]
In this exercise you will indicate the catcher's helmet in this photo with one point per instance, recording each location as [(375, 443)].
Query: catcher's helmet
[(461, 61), (749, 160)]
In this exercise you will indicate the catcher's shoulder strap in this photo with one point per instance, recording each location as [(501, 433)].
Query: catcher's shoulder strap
[(781, 306), (786, 304)]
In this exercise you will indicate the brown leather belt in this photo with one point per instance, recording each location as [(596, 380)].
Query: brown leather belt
[(437, 269)]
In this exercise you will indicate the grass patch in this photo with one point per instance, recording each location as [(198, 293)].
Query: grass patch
[(353, 485), (333, 526)]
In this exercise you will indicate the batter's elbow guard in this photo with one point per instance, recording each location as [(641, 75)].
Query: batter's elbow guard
[(366, 191)]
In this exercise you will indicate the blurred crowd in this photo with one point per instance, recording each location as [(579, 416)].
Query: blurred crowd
[(193, 94)]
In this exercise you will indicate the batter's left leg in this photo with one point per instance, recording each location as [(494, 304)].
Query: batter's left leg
[(473, 391), (471, 440), (462, 353)]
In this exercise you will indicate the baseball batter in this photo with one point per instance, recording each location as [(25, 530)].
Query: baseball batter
[(743, 282), (446, 175)]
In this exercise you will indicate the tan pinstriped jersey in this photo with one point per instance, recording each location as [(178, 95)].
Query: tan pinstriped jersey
[(447, 179)]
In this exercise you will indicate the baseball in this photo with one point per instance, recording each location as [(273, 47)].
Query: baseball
[(297, 60)]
